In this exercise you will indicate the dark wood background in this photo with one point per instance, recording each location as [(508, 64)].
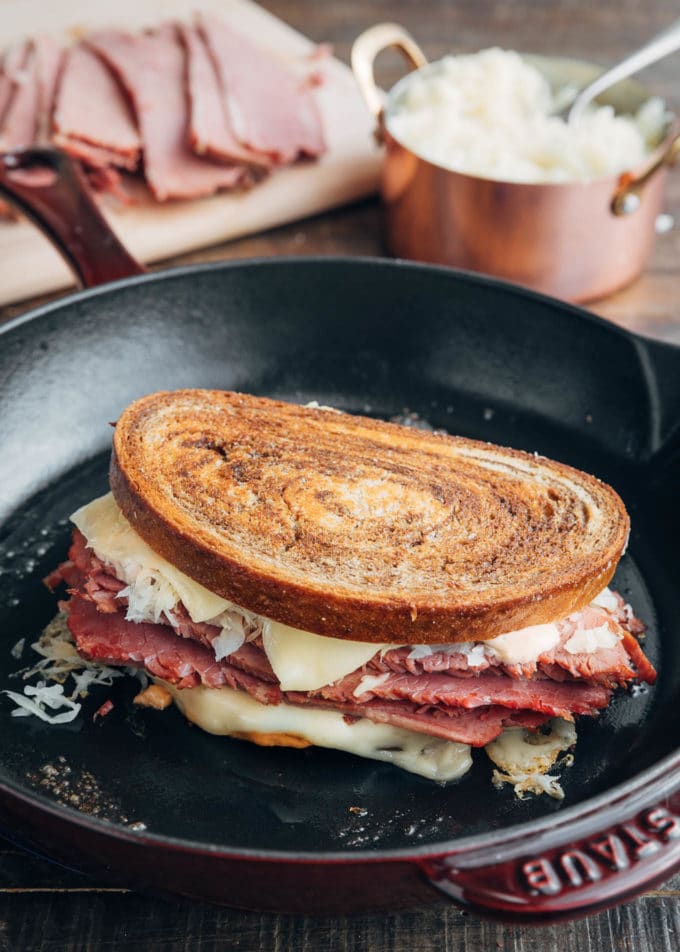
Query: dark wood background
[(45, 908)]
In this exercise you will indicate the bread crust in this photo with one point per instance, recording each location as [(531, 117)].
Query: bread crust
[(360, 529)]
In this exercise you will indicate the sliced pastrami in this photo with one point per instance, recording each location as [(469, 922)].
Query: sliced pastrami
[(20, 118), (10, 72), (48, 62), (607, 667), (210, 130), (94, 157), (477, 728), (150, 66), (554, 698), (111, 639), (271, 110), (92, 118), (27, 88)]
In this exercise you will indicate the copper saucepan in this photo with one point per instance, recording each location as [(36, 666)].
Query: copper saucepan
[(576, 240)]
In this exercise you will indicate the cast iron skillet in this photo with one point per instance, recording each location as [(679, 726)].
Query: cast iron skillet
[(315, 830)]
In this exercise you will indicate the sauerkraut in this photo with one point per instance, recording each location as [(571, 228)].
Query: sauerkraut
[(492, 114)]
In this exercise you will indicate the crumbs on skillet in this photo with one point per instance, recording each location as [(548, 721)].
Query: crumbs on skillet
[(413, 420), (80, 790), (60, 664)]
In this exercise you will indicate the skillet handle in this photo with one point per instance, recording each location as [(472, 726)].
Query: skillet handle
[(53, 191), (661, 362), (544, 883)]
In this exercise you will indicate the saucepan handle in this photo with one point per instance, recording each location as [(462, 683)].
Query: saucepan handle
[(579, 876), (53, 191), (628, 194), (365, 50)]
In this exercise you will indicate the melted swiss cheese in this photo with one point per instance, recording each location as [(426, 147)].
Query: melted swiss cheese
[(225, 711), (303, 661)]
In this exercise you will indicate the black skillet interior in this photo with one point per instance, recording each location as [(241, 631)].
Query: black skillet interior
[(467, 355)]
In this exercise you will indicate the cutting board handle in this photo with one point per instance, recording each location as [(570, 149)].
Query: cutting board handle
[(52, 190)]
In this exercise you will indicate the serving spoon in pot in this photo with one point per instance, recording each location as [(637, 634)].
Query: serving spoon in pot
[(663, 44)]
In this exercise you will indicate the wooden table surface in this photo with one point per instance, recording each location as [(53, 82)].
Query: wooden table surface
[(44, 908)]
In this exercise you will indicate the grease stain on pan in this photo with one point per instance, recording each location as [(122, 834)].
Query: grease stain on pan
[(26, 557), (361, 834)]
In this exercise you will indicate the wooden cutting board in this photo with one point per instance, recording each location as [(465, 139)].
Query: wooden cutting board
[(29, 266)]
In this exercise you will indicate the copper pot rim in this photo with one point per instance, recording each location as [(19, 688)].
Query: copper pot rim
[(655, 158), (659, 158), (631, 179)]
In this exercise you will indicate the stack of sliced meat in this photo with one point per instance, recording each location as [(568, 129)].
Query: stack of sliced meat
[(469, 697), (196, 108)]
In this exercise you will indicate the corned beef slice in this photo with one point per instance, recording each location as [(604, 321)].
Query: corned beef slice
[(210, 131), (48, 62), (608, 666), (27, 87), (271, 109), (30, 82), (110, 638), (92, 118), (151, 68), (113, 640), (20, 117), (96, 158), (11, 64), (118, 98), (439, 694), (555, 698), (478, 727)]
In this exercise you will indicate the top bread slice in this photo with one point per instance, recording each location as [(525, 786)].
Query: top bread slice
[(360, 529)]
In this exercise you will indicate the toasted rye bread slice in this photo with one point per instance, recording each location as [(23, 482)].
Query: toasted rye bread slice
[(360, 529)]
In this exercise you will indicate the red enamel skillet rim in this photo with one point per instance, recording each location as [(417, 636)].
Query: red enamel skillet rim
[(583, 859)]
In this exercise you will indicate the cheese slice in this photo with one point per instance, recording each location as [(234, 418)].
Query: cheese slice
[(304, 662), (226, 711)]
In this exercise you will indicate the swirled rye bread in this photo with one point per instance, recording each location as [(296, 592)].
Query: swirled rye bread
[(352, 527), (414, 592)]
